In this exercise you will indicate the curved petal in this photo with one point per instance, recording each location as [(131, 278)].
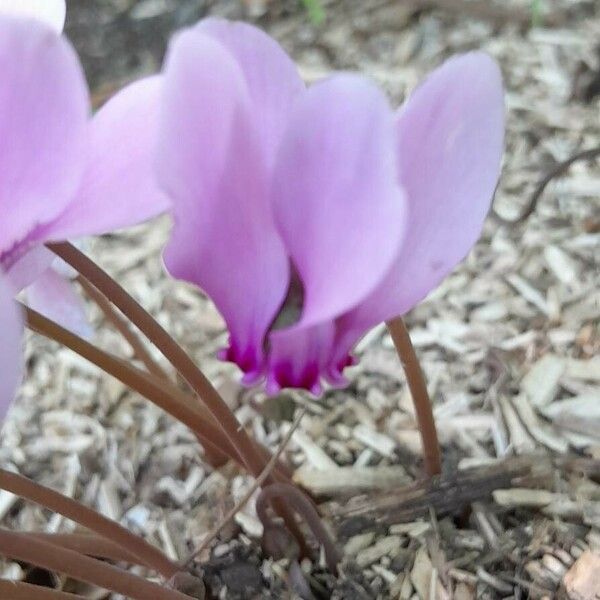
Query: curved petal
[(54, 296), (213, 168), (52, 12), (271, 76), (119, 187), (43, 127), (299, 357), (11, 362), (337, 202), (28, 268), (450, 144)]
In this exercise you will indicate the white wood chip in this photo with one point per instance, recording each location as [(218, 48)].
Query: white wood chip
[(542, 381), (375, 440), (350, 479), (387, 546)]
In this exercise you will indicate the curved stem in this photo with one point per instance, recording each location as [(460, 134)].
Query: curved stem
[(162, 393), (18, 590), (304, 507), (420, 395), (22, 547), (242, 502), (146, 553), (167, 345), (557, 171), (182, 363), (214, 456)]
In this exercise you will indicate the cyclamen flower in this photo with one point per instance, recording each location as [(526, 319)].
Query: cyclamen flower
[(311, 215), (62, 174)]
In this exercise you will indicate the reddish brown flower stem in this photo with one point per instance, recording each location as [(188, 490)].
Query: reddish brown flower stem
[(90, 545), (418, 389), (40, 553), (18, 590), (146, 553), (304, 507), (162, 393), (186, 563), (182, 363), (217, 458), (121, 326)]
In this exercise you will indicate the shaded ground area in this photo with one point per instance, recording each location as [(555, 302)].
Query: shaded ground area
[(509, 342)]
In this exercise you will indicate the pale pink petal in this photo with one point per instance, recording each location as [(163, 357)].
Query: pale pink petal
[(299, 357), (55, 297), (11, 361), (119, 187), (271, 76), (450, 144), (212, 166), (43, 129), (51, 12), (337, 201), (28, 268)]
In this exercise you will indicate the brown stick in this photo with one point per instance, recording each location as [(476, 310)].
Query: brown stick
[(18, 590), (180, 360), (418, 389), (557, 171), (162, 393), (146, 553), (448, 494), (22, 547)]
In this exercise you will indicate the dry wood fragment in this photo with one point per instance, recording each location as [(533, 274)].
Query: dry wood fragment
[(541, 382), (374, 439), (580, 414), (387, 546), (523, 497), (444, 494), (582, 580), (425, 579), (347, 480), (584, 369)]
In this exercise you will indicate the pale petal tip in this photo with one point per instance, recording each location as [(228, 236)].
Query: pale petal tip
[(51, 12)]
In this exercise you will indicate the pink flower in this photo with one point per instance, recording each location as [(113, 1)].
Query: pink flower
[(311, 215), (62, 174), (11, 327)]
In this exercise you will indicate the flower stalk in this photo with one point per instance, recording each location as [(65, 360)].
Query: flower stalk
[(19, 590), (90, 545), (418, 389), (40, 553), (162, 393), (145, 553), (139, 349), (182, 363), (167, 345)]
